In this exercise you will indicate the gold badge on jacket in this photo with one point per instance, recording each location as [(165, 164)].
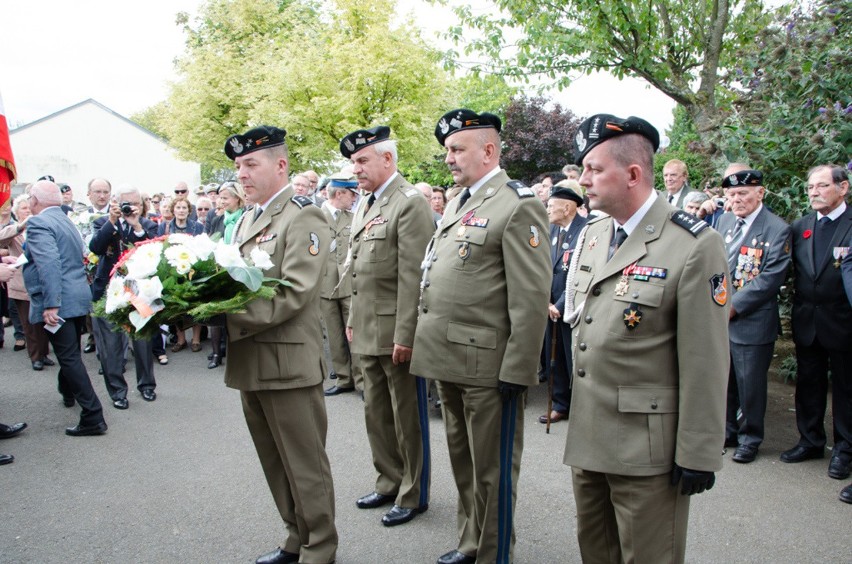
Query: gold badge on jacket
[(632, 316), (535, 240), (314, 248)]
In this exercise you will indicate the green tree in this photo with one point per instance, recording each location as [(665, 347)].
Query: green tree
[(680, 48), (794, 105)]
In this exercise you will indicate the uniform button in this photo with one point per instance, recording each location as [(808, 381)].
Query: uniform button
[(356, 239), (588, 319), (354, 257), (596, 291), (444, 236), (426, 284), (353, 275), (243, 332), (581, 372), (582, 346), (425, 310), (355, 292), (654, 405), (472, 340)]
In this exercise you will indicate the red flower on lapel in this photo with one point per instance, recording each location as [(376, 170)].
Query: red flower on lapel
[(807, 234)]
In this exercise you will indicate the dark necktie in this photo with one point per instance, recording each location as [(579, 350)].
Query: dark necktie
[(560, 240), (671, 199), (370, 201), (464, 197), (257, 213), (822, 240), (617, 241), (736, 237)]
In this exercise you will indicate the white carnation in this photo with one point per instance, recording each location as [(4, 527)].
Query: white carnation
[(182, 266), (144, 261), (261, 259), (228, 255), (116, 296), (180, 254), (201, 246), (150, 289)]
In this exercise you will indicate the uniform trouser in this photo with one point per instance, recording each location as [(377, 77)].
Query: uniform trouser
[(747, 391), (622, 519), (485, 438), (814, 362), (73, 379), (396, 416), (289, 428), (36, 338), (111, 348), (334, 314)]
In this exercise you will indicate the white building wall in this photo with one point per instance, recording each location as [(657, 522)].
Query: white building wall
[(89, 140)]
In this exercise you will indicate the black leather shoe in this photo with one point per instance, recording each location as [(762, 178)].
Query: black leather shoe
[(456, 557), (9, 431), (9, 459), (48, 361), (18, 347), (801, 453), (89, 348), (38, 365), (149, 395), (732, 443), (846, 494), (278, 556), (120, 403), (374, 499), (399, 515), (68, 401), (336, 390), (215, 360), (745, 454), (838, 468), (86, 430)]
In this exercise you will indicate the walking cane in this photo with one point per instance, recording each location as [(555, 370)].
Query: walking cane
[(550, 376)]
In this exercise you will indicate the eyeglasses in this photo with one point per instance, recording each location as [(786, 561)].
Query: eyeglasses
[(155, 201), (181, 191), (203, 209)]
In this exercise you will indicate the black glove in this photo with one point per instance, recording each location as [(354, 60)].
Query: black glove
[(692, 481), (510, 391)]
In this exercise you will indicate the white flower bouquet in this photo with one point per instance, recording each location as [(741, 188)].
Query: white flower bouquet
[(167, 279)]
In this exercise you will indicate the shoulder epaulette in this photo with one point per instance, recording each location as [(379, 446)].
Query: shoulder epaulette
[(689, 222), (522, 189), (301, 201)]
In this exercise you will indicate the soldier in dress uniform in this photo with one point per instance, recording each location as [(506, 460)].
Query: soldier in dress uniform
[(275, 348), (390, 231), (336, 290), (647, 297), (486, 284)]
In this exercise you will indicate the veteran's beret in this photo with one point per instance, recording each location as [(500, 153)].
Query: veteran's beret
[(361, 138), (261, 137), (743, 178), (562, 193), (64, 188), (598, 128), (462, 118)]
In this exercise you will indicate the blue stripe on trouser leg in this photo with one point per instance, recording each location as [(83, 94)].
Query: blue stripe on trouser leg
[(423, 415), (504, 497)]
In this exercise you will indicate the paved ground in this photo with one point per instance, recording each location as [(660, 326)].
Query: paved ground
[(177, 480)]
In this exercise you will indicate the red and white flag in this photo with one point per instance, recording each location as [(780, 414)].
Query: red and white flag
[(7, 161)]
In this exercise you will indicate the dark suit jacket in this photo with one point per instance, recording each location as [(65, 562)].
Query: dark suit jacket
[(216, 224), (557, 257), (756, 302), (821, 309), (54, 275), (108, 242), (192, 227)]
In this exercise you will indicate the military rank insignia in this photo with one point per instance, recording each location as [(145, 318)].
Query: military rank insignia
[(314, 248), (535, 240), (632, 316), (719, 289)]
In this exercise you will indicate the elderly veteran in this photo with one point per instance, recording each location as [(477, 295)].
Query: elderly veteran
[(275, 348), (647, 300), (336, 290), (389, 233), (486, 279), (758, 244)]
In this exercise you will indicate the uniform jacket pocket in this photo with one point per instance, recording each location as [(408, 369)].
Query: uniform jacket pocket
[(647, 420)]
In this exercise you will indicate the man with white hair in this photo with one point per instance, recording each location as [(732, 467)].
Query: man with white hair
[(114, 233), (60, 299), (389, 234)]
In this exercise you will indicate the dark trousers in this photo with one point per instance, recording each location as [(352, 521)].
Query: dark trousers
[(36, 337), (563, 364), (747, 391), (814, 362), (111, 349), (73, 379)]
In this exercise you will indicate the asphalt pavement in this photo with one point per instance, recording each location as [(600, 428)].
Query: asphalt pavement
[(177, 480)]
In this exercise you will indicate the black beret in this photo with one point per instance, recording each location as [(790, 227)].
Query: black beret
[(357, 140), (261, 137), (64, 188), (743, 178), (46, 177), (567, 194), (600, 127), (456, 120)]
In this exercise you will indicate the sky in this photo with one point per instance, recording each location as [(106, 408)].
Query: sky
[(58, 53)]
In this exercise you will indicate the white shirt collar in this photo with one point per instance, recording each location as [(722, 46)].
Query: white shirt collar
[(634, 220), (488, 176), (275, 195), (749, 219), (387, 183), (676, 195), (837, 212)]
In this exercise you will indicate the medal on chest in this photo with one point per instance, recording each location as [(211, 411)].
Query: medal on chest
[(624, 282)]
